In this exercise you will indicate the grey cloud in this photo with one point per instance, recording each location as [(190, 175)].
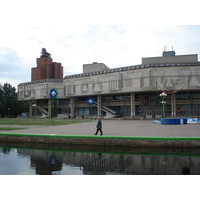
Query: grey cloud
[(8, 55), (10, 64)]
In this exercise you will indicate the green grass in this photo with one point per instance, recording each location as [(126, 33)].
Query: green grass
[(9, 129), (42, 122)]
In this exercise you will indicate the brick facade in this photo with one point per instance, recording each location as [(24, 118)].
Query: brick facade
[(46, 68)]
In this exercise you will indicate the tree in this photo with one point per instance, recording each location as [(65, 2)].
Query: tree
[(8, 101)]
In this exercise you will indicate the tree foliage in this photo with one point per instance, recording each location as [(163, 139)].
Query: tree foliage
[(8, 102)]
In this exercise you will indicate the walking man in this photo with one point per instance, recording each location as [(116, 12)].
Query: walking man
[(99, 126)]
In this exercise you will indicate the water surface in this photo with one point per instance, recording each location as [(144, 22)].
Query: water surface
[(29, 159)]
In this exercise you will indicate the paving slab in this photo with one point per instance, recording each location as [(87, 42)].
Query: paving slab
[(144, 128)]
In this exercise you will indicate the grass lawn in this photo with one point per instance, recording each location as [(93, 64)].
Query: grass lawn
[(42, 122), (9, 129)]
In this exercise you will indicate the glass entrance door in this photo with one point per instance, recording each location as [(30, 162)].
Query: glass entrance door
[(158, 113), (149, 114)]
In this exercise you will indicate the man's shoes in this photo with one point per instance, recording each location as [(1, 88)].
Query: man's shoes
[(95, 134)]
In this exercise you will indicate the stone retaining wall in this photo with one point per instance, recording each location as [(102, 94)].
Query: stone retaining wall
[(103, 141)]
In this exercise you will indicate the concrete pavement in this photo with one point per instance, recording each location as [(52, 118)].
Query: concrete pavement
[(116, 127)]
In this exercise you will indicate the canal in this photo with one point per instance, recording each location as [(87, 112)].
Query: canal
[(43, 159)]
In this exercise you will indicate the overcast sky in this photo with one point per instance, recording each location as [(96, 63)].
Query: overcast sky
[(116, 33)]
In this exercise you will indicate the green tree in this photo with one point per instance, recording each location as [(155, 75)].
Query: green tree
[(8, 102)]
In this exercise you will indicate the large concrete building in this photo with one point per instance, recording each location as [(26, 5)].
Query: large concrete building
[(129, 92)]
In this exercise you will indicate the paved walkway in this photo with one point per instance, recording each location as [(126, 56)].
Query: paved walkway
[(118, 128)]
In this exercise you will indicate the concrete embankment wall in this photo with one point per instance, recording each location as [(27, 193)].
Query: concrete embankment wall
[(102, 140)]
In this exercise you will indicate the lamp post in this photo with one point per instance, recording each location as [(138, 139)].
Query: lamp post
[(53, 95), (34, 106), (163, 96), (8, 112)]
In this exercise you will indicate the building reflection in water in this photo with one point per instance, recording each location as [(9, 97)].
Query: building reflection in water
[(105, 164), (53, 162)]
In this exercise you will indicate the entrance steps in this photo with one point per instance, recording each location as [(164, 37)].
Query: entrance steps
[(43, 111), (109, 112)]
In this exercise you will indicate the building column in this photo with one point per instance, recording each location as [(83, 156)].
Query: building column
[(132, 105), (173, 105), (49, 108), (71, 106), (99, 105)]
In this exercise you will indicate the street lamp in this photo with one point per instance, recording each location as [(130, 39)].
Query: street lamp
[(8, 112), (34, 106), (163, 96), (53, 95)]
